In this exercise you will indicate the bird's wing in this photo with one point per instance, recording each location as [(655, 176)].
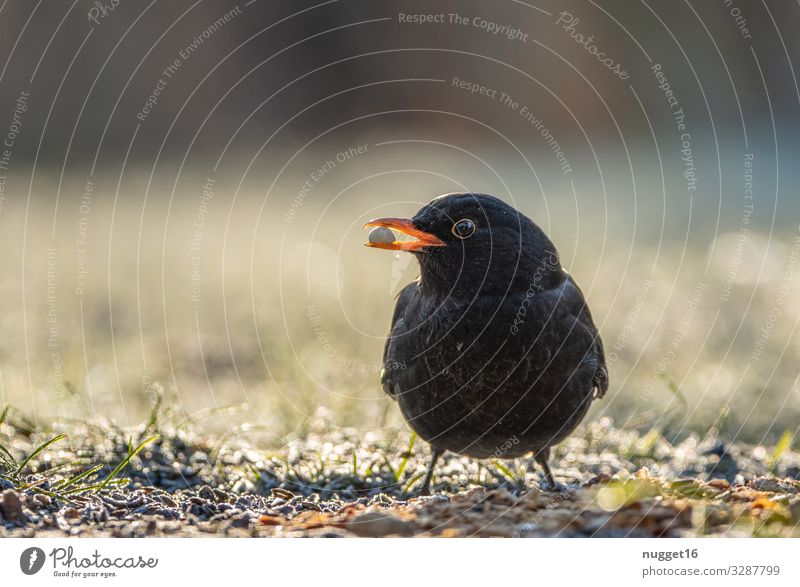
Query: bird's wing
[(580, 309), (391, 361)]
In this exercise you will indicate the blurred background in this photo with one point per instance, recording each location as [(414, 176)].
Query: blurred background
[(183, 186)]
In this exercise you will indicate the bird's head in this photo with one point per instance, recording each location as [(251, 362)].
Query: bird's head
[(468, 243)]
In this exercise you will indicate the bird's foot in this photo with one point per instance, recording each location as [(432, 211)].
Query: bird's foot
[(548, 482), (553, 486), (425, 487)]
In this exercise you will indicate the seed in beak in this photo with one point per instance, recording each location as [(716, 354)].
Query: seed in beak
[(405, 226), (381, 235)]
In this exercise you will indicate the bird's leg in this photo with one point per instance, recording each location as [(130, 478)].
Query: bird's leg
[(425, 488), (542, 457)]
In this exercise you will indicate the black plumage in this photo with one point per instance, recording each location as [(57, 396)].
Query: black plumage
[(492, 351)]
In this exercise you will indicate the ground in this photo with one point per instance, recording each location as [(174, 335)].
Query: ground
[(164, 480)]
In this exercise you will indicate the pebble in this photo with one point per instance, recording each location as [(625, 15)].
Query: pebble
[(168, 501), (41, 501), (206, 493), (283, 493), (11, 505)]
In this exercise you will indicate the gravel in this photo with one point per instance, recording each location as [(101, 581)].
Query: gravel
[(336, 483)]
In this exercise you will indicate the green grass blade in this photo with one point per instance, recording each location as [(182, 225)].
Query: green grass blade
[(503, 469), (399, 473), (784, 443), (125, 461), (38, 450), (52, 495), (94, 487), (389, 466), (152, 422), (51, 469), (259, 477), (25, 486), (81, 477), (407, 487), (7, 456), (82, 488)]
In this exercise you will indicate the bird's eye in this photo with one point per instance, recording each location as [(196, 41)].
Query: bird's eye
[(464, 228)]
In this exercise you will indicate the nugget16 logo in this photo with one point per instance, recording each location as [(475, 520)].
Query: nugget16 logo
[(31, 560)]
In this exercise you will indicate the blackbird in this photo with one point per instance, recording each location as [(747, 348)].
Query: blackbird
[(492, 351)]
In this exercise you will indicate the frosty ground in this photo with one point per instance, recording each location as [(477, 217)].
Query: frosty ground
[(169, 480)]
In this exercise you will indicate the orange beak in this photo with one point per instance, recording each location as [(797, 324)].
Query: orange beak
[(404, 226)]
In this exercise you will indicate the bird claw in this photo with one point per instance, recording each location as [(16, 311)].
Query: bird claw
[(423, 492), (554, 486)]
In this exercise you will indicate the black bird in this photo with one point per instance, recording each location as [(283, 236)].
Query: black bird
[(492, 351)]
